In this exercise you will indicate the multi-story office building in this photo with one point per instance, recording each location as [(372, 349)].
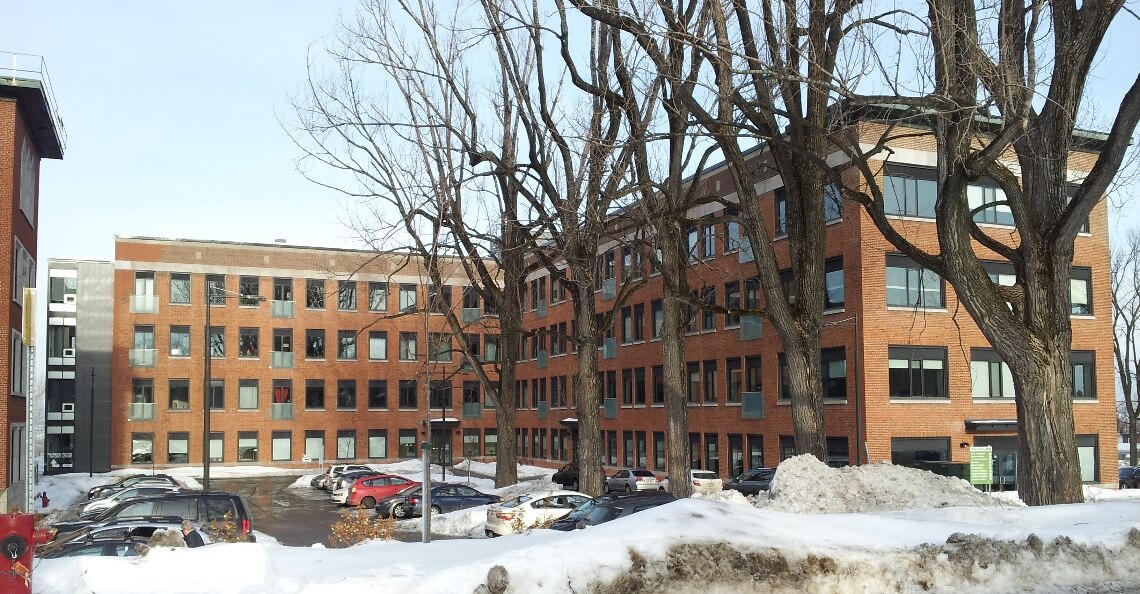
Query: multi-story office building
[(315, 354), (30, 130), (77, 404), (907, 375)]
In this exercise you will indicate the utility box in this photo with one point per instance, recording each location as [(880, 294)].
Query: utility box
[(16, 546)]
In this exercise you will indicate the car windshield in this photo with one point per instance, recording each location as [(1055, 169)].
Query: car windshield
[(641, 473), (1126, 472), (517, 501), (602, 514), (704, 475)]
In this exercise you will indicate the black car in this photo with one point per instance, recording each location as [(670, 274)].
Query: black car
[(105, 546), (395, 506), (751, 482), (196, 506), (567, 476), (626, 506), (1130, 477), (130, 481), (570, 521), (448, 498)]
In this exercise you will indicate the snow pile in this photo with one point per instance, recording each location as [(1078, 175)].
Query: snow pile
[(805, 485)]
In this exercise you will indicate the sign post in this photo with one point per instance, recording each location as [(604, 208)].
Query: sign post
[(982, 466), (425, 494)]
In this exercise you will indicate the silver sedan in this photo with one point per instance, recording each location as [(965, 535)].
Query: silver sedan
[(633, 479)]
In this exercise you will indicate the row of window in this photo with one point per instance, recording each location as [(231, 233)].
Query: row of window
[(316, 294), (250, 396), (476, 442), (440, 344)]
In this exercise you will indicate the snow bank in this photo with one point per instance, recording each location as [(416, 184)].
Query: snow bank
[(805, 485)]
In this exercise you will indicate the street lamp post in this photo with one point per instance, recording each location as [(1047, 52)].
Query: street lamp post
[(206, 377)]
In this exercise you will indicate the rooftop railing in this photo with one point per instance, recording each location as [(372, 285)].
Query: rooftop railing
[(19, 68)]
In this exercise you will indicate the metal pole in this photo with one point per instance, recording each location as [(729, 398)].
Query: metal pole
[(425, 494), (444, 447), (206, 397), (91, 431)]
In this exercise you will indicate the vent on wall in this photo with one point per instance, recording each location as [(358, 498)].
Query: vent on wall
[(68, 353), (68, 407), (69, 298)]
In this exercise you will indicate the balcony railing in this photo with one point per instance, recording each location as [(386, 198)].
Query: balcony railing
[(144, 303), (470, 314), (752, 406), (609, 288), (472, 410), (142, 357), (142, 411), (281, 309), (541, 308), (609, 348), (281, 411), (542, 359), (750, 327), (280, 360), (611, 407)]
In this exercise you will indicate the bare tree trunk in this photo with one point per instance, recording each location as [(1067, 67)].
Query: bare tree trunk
[(587, 392), (675, 263), (1047, 468), (807, 410)]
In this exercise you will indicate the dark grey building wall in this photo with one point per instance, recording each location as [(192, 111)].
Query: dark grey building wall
[(94, 312)]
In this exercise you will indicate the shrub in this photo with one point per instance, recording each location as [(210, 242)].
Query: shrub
[(359, 525)]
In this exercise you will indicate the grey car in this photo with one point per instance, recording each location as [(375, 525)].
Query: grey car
[(633, 479), (751, 482)]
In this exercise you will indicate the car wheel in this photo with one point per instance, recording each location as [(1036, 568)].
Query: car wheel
[(1123, 485), (367, 502), (574, 486), (399, 511), (627, 489), (435, 511), (660, 489), (490, 534), (606, 488)]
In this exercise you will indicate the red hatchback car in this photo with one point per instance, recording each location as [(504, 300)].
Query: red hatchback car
[(367, 490)]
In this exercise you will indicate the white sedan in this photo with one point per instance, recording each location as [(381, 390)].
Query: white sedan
[(706, 481), (531, 510)]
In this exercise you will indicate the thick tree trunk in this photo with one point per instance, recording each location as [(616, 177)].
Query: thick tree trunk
[(506, 454), (587, 392), (675, 266), (1048, 471), (806, 387)]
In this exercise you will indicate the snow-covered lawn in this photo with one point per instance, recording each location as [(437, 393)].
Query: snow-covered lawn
[(875, 528)]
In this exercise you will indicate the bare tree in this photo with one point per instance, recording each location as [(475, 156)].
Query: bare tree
[(406, 160), (1034, 74), (1126, 324)]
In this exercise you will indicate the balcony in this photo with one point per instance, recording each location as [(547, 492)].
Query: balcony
[(470, 314), (142, 411), (144, 303), (750, 327), (542, 359), (753, 406), (541, 308), (280, 360), (281, 309), (609, 288), (281, 411), (142, 357), (472, 410)]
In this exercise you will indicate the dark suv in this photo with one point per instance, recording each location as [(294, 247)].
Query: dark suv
[(196, 506), (1130, 477), (567, 476), (751, 482), (625, 506)]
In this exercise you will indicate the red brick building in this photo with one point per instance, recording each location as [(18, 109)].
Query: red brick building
[(30, 130), (315, 356), (908, 376)]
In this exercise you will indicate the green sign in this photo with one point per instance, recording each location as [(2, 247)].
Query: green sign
[(981, 465)]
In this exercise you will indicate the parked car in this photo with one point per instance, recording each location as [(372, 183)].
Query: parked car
[(130, 481), (1130, 477), (197, 506), (129, 527), (633, 479), (531, 510), (567, 476), (346, 479), (570, 521), (97, 506), (751, 482), (448, 498), (396, 506), (336, 470), (625, 506), (366, 491), (104, 546), (705, 481)]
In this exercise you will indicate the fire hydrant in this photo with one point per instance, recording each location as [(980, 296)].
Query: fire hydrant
[(16, 544), (43, 499)]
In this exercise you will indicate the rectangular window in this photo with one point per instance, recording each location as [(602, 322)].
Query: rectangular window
[(179, 287), (345, 444), (910, 285), (1080, 284), (178, 448), (378, 345), (315, 293), (315, 343), (283, 340), (780, 206), (708, 315), (439, 298), (609, 268), (693, 242), (346, 295), (315, 444), (735, 377), (377, 443), (712, 452), (627, 451), (377, 394), (987, 197), (658, 450), (179, 394), (627, 387), (377, 296), (407, 346), (710, 382), (708, 241), (282, 391), (833, 374), (346, 345), (638, 386), (346, 394), (989, 375), (247, 446), (658, 313), (833, 284), (409, 394), (217, 342), (787, 447), (838, 452), (915, 451), (693, 375), (217, 394), (752, 381), (314, 394), (248, 290), (626, 325), (440, 394), (408, 447), (439, 346), (180, 341), (282, 446), (732, 301), (639, 322), (282, 289), (471, 392), (1084, 376), (910, 191), (732, 232), (658, 384), (407, 297), (917, 372), (142, 448), (247, 342), (216, 289), (247, 394), (832, 203), (756, 451)]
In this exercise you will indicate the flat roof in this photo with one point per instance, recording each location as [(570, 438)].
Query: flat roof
[(40, 117)]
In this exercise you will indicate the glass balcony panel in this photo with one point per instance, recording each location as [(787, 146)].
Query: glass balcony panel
[(144, 304)]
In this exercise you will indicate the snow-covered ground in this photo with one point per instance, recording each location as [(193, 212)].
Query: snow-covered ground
[(876, 528)]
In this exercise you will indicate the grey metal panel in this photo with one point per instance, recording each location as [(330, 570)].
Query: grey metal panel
[(94, 327)]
